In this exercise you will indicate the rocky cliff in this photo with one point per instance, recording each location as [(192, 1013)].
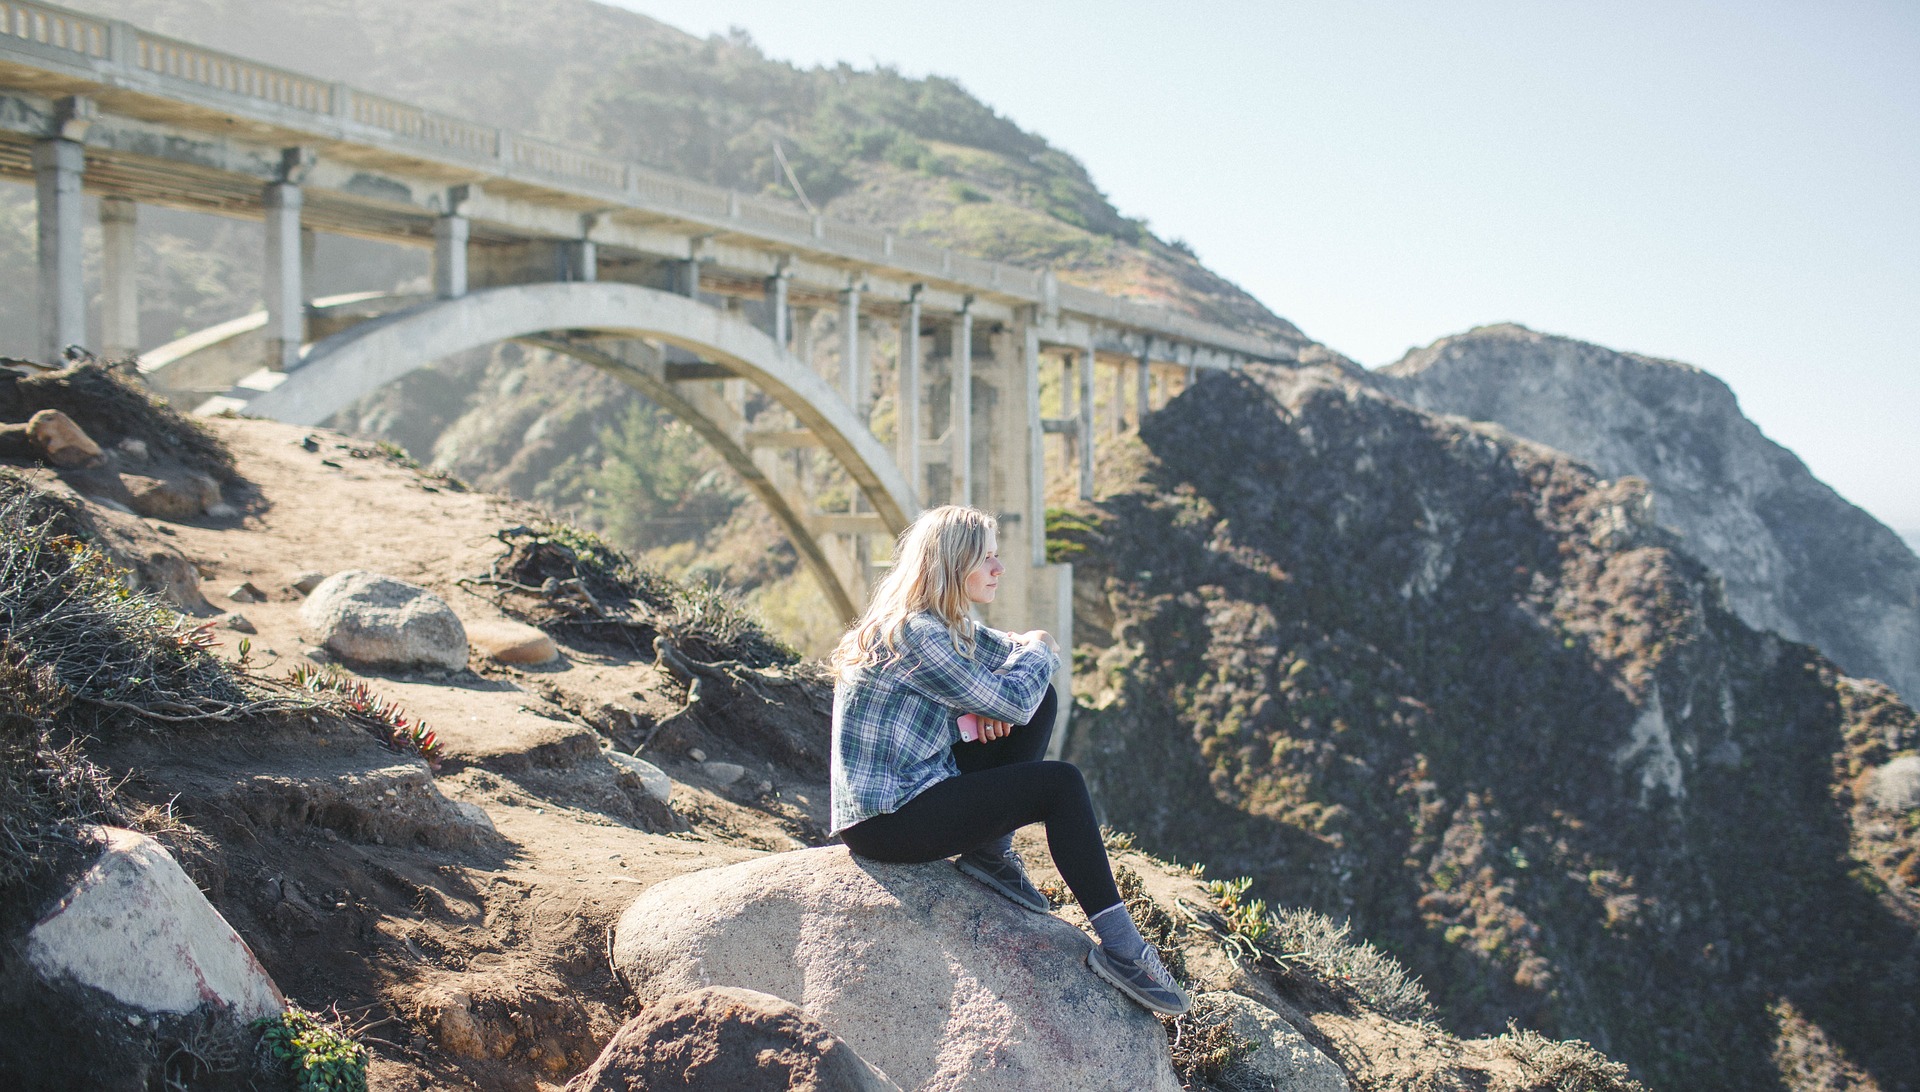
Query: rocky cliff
[(1796, 557), (1457, 686)]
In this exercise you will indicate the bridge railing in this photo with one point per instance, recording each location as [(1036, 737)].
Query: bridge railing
[(235, 76), (56, 28), (338, 108)]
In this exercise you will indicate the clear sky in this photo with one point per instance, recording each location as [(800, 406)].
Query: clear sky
[(1735, 184)]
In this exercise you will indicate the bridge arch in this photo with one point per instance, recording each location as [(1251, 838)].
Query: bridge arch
[(565, 318)]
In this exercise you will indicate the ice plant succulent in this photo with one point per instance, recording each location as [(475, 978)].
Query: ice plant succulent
[(402, 731)]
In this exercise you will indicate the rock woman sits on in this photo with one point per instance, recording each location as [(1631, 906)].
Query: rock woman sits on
[(909, 788)]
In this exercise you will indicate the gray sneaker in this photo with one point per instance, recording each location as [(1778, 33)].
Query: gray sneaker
[(1146, 980), (1005, 875)]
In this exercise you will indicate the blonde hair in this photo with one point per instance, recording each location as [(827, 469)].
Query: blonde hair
[(930, 566)]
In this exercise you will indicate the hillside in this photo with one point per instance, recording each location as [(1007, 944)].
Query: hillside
[(1451, 683), (1796, 557), (456, 913)]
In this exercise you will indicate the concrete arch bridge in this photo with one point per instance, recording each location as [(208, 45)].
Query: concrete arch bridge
[(790, 341)]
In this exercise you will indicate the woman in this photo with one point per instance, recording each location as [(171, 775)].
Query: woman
[(908, 788)]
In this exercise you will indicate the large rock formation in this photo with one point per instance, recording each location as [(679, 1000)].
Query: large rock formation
[(136, 928), (923, 972), (1451, 684), (720, 1039), (1796, 557)]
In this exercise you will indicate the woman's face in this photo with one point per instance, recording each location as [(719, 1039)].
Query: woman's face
[(984, 579)]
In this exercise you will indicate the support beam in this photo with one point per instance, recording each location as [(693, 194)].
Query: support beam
[(1086, 423), (1119, 407), (450, 235), (853, 364), (960, 428), (1034, 507), (780, 322), (119, 288), (1142, 389), (286, 299), (580, 260), (779, 439), (908, 396), (57, 165)]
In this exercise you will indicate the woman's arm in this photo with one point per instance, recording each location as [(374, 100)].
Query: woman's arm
[(1012, 693)]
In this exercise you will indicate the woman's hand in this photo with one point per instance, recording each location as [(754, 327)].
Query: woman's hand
[(991, 730), (1038, 637)]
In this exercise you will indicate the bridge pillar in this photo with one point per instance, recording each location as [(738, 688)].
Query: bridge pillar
[(1142, 386), (286, 297), (57, 165), (119, 289), (960, 420), (1086, 423), (853, 364), (579, 260), (908, 424), (450, 234), (779, 321)]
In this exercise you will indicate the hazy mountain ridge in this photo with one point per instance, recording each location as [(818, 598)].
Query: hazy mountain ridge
[(1797, 558)]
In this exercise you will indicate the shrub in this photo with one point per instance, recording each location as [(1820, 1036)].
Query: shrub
[(318, 1057), (1301, 939)]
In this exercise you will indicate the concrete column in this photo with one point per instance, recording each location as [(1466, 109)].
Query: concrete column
[(908, 396), (57, 165), (286, 298), (803, 335), (780, 324), (580, 260), (450, 234), (853, 364), (690, 278), (1033, 508), (1142, 390), (960, 427), (1119, 407), (119, 290), (1086, 424)]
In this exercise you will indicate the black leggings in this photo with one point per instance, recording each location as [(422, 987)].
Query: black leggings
[(1002, 786)]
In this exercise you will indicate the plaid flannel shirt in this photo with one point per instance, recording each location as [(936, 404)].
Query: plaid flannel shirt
[(894, 722)]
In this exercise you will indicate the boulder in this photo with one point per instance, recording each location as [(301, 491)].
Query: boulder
[(182, 494), (511, 642), (721, 1039), (367, 618), (1282, 1057), (1896, 785), (62, 442), (136, 928), (305, 581), (923, 972)]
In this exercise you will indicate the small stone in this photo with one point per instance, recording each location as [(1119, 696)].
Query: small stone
[(305, 581), (697, 755), (222, 510), (655, 781), (134, 450), (60, 440), (247, 593), (511, 642), (725, 773), (317, 655), (237, 622), (177, 496)]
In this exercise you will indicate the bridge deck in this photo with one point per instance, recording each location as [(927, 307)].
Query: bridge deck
[(171, 123)]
